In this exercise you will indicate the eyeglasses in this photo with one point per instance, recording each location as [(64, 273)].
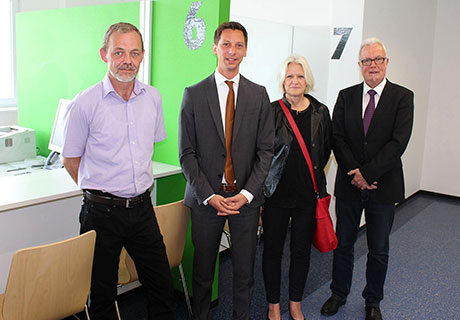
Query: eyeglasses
[(368, 62)]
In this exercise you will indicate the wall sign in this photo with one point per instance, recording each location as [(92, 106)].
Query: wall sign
[(193, 22), (345, 33)]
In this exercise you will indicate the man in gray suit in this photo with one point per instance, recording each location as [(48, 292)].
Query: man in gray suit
[(226, 138)]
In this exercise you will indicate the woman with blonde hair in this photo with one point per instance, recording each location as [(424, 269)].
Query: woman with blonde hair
[(289, 191)]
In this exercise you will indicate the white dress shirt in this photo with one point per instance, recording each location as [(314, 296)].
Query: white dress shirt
[(366, 96), (222, 92)]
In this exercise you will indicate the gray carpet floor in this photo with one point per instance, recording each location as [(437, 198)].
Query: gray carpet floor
[(423, 279)]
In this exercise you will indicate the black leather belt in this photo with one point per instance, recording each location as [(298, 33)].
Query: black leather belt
[(228, 187), (112, 200)]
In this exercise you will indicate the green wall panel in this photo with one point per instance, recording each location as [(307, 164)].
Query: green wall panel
[(175, 66), (170, 189), (58, 56)]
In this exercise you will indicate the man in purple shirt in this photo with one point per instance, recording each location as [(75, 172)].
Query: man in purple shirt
[(111, 129)]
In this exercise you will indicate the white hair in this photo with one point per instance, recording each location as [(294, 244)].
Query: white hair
[(371, 41)]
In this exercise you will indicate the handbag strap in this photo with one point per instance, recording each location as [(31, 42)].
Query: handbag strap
[(299, 137)]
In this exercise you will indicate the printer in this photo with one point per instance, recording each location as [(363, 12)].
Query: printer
[(16, 143)]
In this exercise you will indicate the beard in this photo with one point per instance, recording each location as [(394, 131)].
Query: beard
[(122, 76)]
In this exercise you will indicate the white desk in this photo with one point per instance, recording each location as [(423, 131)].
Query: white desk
[(43, 207)]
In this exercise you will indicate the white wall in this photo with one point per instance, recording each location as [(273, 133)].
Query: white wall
[(442, 154), (8, 116), (407, 28), (291, 12), (442, 148)]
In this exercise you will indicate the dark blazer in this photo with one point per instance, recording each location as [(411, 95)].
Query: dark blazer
[(202, 150), (378, 154)]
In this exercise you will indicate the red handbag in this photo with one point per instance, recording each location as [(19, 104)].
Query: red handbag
[(325, 238)]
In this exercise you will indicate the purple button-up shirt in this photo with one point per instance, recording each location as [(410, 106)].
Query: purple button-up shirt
[(114, 137)]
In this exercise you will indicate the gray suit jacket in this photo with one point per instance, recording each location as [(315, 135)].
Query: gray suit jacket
[(202, 150)]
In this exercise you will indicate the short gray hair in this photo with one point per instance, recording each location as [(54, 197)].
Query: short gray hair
[(298, 59), (371, 41), (121, 27)]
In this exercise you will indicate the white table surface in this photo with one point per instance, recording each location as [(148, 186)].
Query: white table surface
[(48, 185)]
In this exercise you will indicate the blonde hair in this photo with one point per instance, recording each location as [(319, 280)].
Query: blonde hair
[(298, 59)]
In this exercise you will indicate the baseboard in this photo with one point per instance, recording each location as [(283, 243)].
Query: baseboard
[(441, 195), (428, 193)]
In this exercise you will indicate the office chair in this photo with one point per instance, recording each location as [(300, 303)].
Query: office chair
[(49, 282)]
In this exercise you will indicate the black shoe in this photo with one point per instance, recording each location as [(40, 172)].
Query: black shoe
[(331, 306), (373, 313)]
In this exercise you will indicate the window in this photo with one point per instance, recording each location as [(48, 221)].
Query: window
[(7, 80)]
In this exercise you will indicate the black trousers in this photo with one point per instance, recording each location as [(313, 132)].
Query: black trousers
[(137, 230), (379, 220), (275, 223), (207, 229)]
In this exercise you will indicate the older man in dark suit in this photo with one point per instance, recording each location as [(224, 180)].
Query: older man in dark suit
[(372, 124), (226, 139)]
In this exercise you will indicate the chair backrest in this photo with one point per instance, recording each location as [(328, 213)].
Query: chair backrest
[(50, 281), (124, 274), (173, 219)]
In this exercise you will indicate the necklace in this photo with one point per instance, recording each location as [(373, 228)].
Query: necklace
[(304, 106)]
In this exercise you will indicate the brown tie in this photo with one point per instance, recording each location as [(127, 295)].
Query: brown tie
[(229, 115)]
